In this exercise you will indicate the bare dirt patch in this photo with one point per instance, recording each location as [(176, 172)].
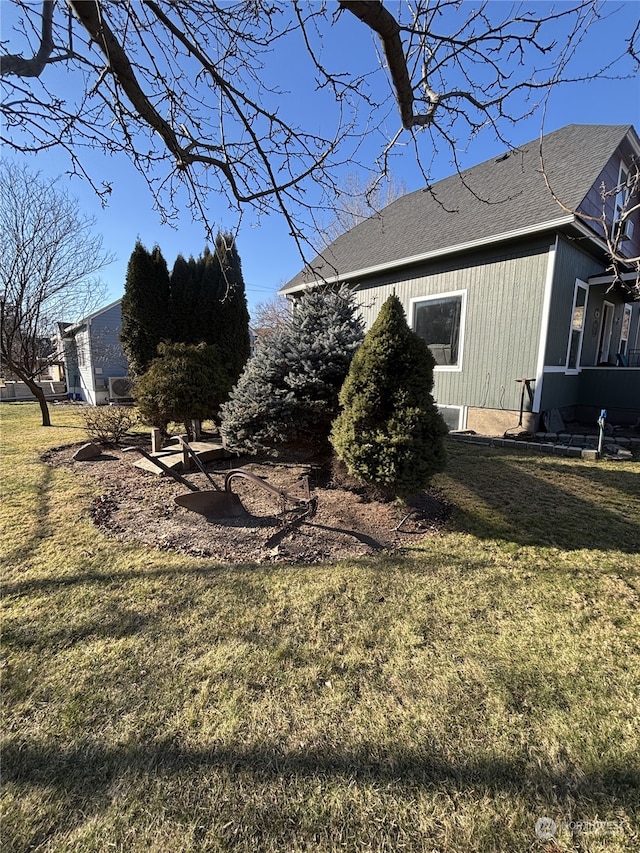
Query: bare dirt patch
[(137, 506)]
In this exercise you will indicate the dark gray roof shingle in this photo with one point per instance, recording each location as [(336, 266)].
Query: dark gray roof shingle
[(496, 197)]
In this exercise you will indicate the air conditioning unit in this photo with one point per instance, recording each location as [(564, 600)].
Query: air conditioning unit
[(120, 389)]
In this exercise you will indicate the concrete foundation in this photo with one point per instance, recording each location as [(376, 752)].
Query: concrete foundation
[(498, 421)]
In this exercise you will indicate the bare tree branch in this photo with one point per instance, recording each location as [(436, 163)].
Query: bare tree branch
[(21, 67), (186, 91), (618, 204), (380, 20)]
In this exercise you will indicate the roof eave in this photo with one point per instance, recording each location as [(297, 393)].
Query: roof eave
[(77, 326), (470, 245)]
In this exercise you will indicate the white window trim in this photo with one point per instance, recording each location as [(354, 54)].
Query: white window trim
[(622, 192), (626, 312), (462, 414), (445, 368), (572, 371)]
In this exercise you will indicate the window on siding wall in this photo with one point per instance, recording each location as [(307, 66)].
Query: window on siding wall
[(622, 194), (439, 320), (577, 326), (624, 330)]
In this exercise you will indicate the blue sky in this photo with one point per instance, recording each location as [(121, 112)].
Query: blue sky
[(269, 255)]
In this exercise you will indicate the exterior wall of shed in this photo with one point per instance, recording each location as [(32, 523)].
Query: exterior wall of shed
[(505, 290)]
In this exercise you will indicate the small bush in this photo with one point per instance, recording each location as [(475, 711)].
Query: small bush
[(184, 383), (108, 424)]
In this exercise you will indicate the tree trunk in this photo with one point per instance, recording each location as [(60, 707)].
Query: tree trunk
[(37, 392), (44, 407)]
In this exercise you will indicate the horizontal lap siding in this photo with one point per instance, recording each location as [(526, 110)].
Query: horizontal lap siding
[(105, 343), (503, 318), (593, 202)]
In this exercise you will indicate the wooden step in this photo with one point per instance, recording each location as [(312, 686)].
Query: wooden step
[(172, 456)]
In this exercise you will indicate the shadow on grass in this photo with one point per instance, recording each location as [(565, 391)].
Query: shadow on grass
[(88, 770), (67, 426), (566, 506), (624, 481), (205, 569), (38, 523), (115, 625)]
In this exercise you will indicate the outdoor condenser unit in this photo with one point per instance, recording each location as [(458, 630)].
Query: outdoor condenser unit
[(119, 389)]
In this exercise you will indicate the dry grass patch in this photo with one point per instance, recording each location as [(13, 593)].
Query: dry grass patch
[(439, 701)]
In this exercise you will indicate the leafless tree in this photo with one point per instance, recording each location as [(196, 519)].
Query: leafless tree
[(49, 259), (356, 202), (272, 316), (189, 93)]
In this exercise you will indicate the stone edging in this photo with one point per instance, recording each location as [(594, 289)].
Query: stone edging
[(556, 444)]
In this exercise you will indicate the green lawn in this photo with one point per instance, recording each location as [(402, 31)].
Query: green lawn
[(442, 700)]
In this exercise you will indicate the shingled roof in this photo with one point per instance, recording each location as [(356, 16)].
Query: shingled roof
[(499, 197)]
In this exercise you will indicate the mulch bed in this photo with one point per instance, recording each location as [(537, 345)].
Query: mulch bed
[(137, 506)]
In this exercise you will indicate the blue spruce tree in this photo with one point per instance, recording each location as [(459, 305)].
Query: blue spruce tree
[(287, 395)]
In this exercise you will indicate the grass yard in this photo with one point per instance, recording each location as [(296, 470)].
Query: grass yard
[(440, 700)]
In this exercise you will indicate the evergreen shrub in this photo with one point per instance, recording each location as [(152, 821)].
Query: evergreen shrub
[(389, 433), (184, 382), (287, 395)]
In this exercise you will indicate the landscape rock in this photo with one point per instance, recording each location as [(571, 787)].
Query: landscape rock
[(87, 451)]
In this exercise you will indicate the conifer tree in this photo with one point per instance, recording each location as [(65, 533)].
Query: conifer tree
[(209, 304), (233, 318), (206, 299), (288, 392), (184, 382), (181, 299), (389, 432), (145, 307), (203, 302)]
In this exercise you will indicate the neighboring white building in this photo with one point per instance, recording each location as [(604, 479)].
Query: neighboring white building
[(93, 357)]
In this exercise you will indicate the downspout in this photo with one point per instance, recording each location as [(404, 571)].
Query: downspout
[(544, 325)]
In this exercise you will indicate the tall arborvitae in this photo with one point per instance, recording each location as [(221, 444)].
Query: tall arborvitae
[(181, 311), (203, 302), (288, 392), (207, 296), (233, 324), (389, 432), (145, 307), (208, 304)]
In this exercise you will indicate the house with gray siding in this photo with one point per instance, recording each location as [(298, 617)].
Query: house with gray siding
[(505, 270), (93, 356)]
